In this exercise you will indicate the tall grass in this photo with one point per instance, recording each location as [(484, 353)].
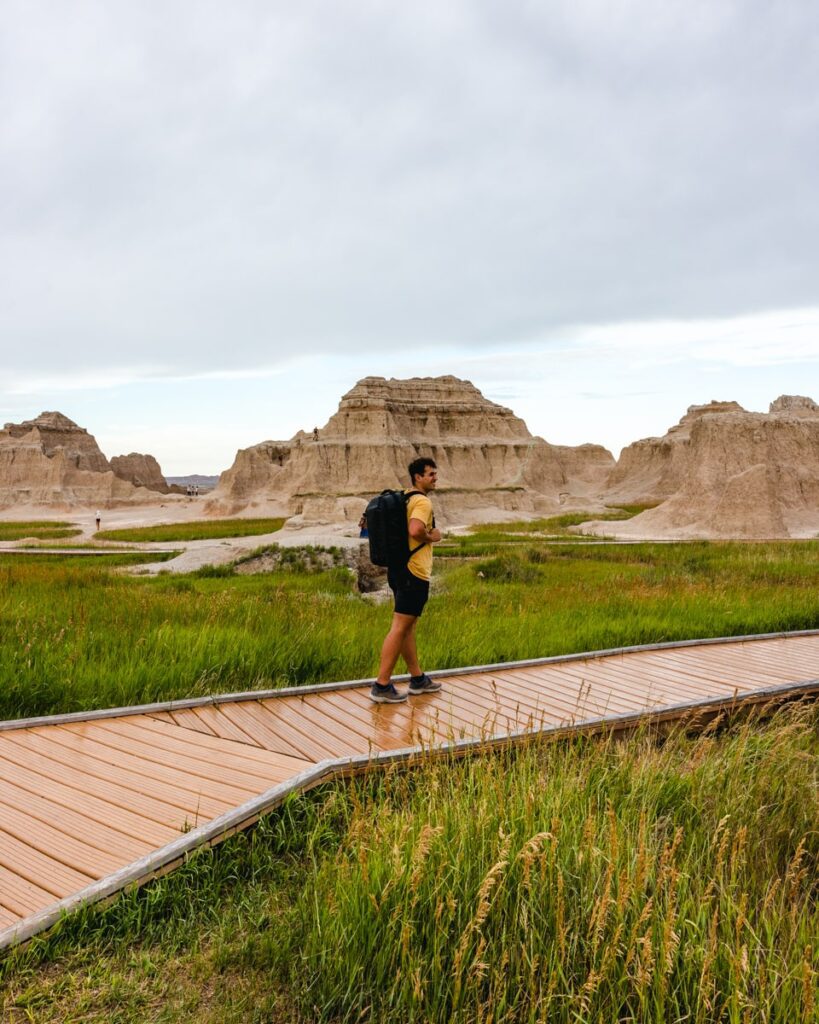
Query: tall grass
[(74, 635), (211, 529), (595, 881), (592, 880)]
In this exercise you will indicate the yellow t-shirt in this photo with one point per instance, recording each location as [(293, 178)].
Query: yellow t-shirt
[(420, 564)]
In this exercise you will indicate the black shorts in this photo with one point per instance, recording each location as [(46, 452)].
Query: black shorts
[(410, 593)]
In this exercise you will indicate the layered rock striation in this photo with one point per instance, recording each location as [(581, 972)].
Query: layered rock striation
[(731, 473), (651, 470), (488, 461), (50, 461)]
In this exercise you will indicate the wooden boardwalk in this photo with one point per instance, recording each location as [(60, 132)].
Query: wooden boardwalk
[(95, 802)]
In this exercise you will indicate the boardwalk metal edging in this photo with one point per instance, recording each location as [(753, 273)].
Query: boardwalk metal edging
[(142, 870), (297, 691)]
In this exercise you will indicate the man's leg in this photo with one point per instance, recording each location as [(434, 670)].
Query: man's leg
[(409, 652), (391, 649)]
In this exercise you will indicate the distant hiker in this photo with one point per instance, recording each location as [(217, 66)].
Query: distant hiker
[(99, 520), (409, 583), (363, 532), (315, 433)]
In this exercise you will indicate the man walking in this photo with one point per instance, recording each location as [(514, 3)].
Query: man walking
[(410, 587)]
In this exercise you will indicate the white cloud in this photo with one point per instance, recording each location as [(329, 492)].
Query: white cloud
[(762, 339), (262, 203)]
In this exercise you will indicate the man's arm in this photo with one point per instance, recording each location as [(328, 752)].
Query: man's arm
[(419, 532)]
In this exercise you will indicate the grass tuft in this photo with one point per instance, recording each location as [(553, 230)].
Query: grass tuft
[(212, 529), (39, 529)]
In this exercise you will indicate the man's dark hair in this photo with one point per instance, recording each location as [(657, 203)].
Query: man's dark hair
[(418, 466)]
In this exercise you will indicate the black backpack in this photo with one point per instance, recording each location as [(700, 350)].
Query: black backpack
[(386, 517)]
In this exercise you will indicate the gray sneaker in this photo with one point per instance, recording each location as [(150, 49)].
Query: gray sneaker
[(386, 694), (423, 685)]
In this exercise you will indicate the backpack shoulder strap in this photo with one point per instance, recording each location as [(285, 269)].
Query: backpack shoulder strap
[(423, 544)]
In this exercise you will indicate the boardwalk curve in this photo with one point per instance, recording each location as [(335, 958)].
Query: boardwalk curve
[(94, 802)]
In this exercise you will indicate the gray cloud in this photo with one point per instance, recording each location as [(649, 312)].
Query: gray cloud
[(200, 188)]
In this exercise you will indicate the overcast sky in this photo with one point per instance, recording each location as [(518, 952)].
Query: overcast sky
[(215, 218)]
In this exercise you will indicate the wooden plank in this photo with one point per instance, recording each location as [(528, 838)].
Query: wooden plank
[(418, 709), (484, 708), (20, 897), (67, 819), (280, 739), (580, 685), (253, 721), (214, 716), (315, 727), (396, 726), (186, 719), (771, 651), (50, 874), (579, 691), (347, 716), (731, 662), (365, 714), (801, 646), (393, 726), (159, 807), (717, 677), (212, 751), (748, 662), (282, 719), (642, 667), (58, 844), (334, 735), (594, 683), (8, 917), (624, 684), (272, 740), (637, 681), (118, 752), (481, 696), (536, 709), (365, 718), (202, 805), (687, 685), (126, 820), (434, 717), (577, 695), (404, 725), (544, 692)]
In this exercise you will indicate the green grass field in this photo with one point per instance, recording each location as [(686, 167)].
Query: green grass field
[(591, 880), (40, 529), (490, 537), (212, 529), (76, 635)]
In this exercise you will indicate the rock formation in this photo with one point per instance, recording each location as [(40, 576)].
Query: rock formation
[(651, 470), (141, 471), (56, 435), (797, 404), (51, 461), (488, 461), (736, 474)]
